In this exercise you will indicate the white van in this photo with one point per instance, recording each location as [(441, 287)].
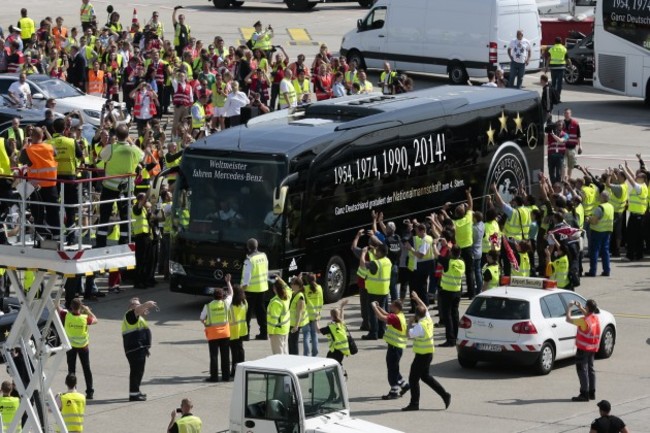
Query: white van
[(462, 38)]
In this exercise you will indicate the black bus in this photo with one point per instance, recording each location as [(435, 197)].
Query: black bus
[(304, 183)]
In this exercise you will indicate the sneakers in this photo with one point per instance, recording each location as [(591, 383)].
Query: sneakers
[(138, 397), (392, 395), (581, 397), (411, 407), (405, 389)]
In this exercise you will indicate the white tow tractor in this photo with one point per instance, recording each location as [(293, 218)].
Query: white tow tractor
[(293, 394)]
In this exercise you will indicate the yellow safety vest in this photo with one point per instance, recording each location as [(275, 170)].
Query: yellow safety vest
[(424, 345), (379, 283), (76, 328), (73, 409), (561, 271), (558, 55), (580, 214), (338, 338), (140, 223), (5, 162), (198, 124), (277, 317), (638, 201), (8, 409), (464, 230), (293, 309), (518, 224), (86, 13), (216, 322), (395, 337), (314, 296), (494, 272), (189, 424), (263, 42), (237, 319), (619, 202), (451, 280), (491, 227), (301, 89), (65, 154), (588, 198), (177, 34), (218, 100), (524, 266), (259, 273), (293, 97), (606, 223), (27, 28)]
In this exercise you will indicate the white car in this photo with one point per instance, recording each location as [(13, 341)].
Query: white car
[(68, 98), (524, 322)]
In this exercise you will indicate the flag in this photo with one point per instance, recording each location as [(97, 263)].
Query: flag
[(510, 254)]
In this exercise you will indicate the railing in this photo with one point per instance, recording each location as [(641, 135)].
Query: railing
[(86, 209)]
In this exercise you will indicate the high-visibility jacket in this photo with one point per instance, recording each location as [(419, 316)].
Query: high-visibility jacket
[(137, 106), (263, 41), (452, 278), (76, 328), (124, 160), (11, 133), (277, 316), (137, 336), (561, 271), (172, 176), (396, 337), (60, 35), (392, 75), (301, 88), (572, 129), (237, 320), (200, 122), (292, 97), (417, 243), (44, 165), (5, 161), (379, 282), (189, 424), (95, 82), (619, 203), (148, 160), (73, 410), (638, 201), (218, 100), (589, 198), (424, 345), (177, 33), (351, 77), (491, 228), (182, 95), (140, 223), (464, 230), (589, 340), (524, 266), (558, 55), (259, 273), (580, 215), (65, 154), (337, 338), (27, 28), (494, 273), (86, 13), (8, 409), (606, 222), (216, 321), (518, 224), (116, 27), (294, 320), (314, 297)]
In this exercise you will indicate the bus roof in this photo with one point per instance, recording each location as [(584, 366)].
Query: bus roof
[(312, 128)]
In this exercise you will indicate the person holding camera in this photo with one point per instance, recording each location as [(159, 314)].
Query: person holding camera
[(182, 31), (261, 39), (587, 344), (557, 140), (145, 102), (187, 422)]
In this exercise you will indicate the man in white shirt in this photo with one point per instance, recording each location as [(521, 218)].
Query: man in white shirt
[(519, 52), (20, 93), (288, 96), (491, 80)]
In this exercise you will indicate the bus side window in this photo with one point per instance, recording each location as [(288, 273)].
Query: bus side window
[(293, 211)]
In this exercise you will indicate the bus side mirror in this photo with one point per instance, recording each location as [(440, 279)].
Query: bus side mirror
[(279, 198)]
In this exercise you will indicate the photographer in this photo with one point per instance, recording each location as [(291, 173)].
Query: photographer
[(261, 39), (145, 102), (187, 422), (587, 344), (557, 139)]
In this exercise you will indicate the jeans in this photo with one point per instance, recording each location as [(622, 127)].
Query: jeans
[(394, 293), (466, 255), (449, 302), (84, 357), (517, 71), (393, 356), (586, 372), (600, 247), (555, 166), (377, 327), (557, 75), (310, 339), (420, 371), (478, 275), (137, 360)]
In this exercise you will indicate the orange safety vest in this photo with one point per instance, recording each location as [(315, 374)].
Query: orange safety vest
[(182, 95), (589, 341), (217, 325), (137, 108), (149, 159), (95, 82), (44, 166), (60, 36)]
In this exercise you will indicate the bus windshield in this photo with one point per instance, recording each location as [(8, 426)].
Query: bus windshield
[(228, 199)]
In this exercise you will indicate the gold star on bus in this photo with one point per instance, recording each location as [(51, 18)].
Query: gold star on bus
[(504, 122), (225, 263), (519, 124), (490, 133), (6, 334), (213, 263), (199, 261)]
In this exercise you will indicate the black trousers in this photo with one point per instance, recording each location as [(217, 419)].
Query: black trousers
[(217, 347), (635, 237), (617, 233), (257, 303), (105, 211), (237, 354), (72, 288), (336, 355), (46, 214), (294, 342), (466, 255), (84, 357), (137, 360), (420, 371), (70, 193), (449, 302), (419, 283), (142, 253)]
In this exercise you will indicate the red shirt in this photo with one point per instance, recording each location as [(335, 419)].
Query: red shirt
[(393, 321)]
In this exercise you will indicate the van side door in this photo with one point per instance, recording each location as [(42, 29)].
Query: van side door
[(373, 34)]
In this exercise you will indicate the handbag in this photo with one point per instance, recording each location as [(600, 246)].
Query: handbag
[(352, 345)]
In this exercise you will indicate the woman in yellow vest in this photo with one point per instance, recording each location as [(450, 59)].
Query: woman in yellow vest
[(8, 406), (523, 249), (337, 334), (314, 297), (299, 318), (217, 331), (557, 257), (277, 317), (238, 327), (72, 405), (450, 287), (491, 271)]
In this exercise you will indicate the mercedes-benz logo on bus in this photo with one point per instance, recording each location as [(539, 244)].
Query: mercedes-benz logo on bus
[(236, 265), (508, 169), (531, 136), (218, 274)]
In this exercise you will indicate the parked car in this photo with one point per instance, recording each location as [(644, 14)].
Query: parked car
[(582, 61), (68, 98), (9, 309), (8, 111)]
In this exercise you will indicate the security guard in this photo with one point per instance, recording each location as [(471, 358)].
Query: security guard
[(255, 283), (198, 117), (450, 286), (387, 80), (618, 190), (238, 327), (559, 59), (638, 205), (142, 237), (187, 423), (8, 407), (421, 261), (262, 38), (421, 332), (136, 337), (378, 287), (277, 317), (314, 296), (214, 317), (182, 32), (87, 15), (463, 219), (27, 27), (602, 225), (558, 269), (72, 405), (491, 271), (517, 225)]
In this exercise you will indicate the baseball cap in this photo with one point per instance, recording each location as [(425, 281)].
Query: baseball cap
[(604, 405)]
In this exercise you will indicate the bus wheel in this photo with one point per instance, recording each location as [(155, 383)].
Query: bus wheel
[(457, 73), (298, 5), (221, 4), (335, 280), (237, 4)]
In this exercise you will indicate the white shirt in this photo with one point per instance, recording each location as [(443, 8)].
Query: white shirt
[(423, 249), (145, 112), (489, 84), (246, 272), (21, 92), (287, 87), (235, 102), (519, 50), (204, 313), (417, 330), (338, 89)]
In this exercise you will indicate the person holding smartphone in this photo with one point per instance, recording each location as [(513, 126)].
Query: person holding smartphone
[(187, 422), (587, 345)]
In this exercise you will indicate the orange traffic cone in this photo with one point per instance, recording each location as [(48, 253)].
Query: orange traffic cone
[(134, 20)]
